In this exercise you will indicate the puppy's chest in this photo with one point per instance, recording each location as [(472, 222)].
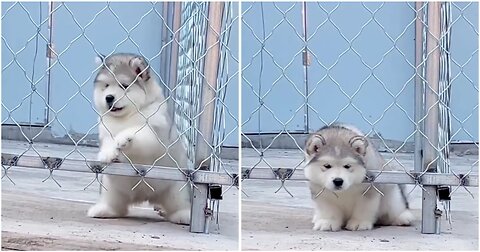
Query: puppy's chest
[(116, 125), (345, 201)]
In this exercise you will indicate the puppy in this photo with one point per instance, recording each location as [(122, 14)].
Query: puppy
[(134, 126), (337, 159)]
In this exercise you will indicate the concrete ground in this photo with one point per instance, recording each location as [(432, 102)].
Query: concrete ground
[(277, 221), (40, 215)]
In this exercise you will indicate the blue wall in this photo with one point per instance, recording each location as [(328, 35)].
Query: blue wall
[(19, 47), (381, 83)]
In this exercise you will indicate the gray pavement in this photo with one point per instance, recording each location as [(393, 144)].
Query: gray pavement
[(39, 215), (277, 221)]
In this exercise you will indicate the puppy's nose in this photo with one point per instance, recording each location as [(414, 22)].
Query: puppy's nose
[(109, 99), (338, 182)]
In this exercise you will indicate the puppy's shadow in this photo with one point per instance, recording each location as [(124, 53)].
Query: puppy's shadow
[(148, 219)]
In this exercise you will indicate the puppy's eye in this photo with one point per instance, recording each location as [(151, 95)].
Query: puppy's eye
[(327, 166), (347, 166), (106, 85)]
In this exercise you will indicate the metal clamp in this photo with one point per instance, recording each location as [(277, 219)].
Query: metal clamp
[(246, 174), (464, 180), (369, 177), (283, 173), (189, 175), (52, 163), (9, 160), (142, 172), (417, 178), (97, 167), (235, 179)]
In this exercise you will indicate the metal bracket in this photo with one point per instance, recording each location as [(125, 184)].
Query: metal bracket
[(215, 192), (443, 193), (283, 173)]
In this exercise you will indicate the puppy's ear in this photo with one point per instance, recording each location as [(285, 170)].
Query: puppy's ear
[(359, 144), (140, 68), (314, 143)]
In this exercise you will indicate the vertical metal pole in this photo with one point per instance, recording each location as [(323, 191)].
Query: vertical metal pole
[(209, 87), (429, 199), (418, 102), (176, 22), (200, 213), (306, 63), (165, 56), (50, 56)]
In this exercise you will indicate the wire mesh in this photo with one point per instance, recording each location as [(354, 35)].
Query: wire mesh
[(36, 108), (306, 65)]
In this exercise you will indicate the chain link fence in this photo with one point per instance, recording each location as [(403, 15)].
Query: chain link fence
[(186, 49), (404, 73)]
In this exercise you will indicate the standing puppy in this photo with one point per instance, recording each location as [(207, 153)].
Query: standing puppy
[(337, 159), (134, 122)]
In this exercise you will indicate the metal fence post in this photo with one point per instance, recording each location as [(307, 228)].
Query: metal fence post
[(419, 86), (175, 12), (429, 198), (200, 213)]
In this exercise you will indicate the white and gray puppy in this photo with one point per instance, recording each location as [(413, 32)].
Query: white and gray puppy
[(337, 159), (134, 123)]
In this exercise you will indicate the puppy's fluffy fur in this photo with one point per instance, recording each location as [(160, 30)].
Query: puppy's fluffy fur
[(128, 98), (337, 159)]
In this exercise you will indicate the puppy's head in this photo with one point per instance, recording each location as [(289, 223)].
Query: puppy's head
[(335, 161), (120, 85)]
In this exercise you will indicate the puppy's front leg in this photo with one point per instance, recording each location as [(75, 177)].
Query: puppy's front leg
[(327, 217), (108, 150), (365, 211)]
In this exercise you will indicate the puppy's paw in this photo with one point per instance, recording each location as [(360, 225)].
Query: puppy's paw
[(159, 210), (327, 224), (108, 155), (180, 217), (356, 224), (104, 211), (404, 219), (124, 140)]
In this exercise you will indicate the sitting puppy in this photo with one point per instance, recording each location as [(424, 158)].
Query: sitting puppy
[(337, 159), (134, 126)]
